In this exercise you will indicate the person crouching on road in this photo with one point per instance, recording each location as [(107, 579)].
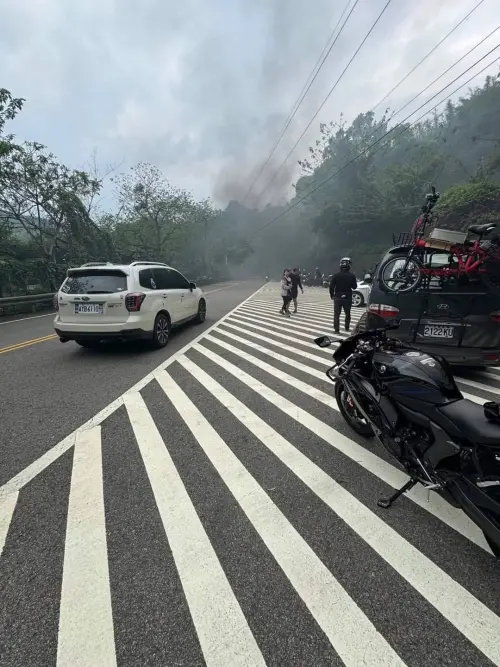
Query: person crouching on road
[(295, 278), (286, 292), (342, 285)]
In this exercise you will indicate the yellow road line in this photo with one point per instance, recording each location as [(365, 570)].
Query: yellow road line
[(26, 343)]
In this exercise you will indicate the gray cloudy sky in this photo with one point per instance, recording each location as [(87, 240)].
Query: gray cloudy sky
[(201, 88)]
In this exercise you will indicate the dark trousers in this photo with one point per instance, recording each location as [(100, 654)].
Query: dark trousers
[(340, 303)]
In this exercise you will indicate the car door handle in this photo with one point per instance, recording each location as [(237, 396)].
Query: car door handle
[(164, 296)]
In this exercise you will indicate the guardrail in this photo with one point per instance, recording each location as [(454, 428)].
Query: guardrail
[(32, 303)]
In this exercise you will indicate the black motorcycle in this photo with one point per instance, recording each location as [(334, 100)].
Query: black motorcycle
[(409, 401)]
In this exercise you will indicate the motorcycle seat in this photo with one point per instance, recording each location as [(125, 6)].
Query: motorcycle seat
[(469, 419)]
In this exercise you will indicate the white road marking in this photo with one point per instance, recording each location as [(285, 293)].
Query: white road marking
[(271, 353), (470, 616), (282, 346), (223, 632), (351, 633), (323, 397), (7, 507), (271, 325), (86, 635), (313, 313), (33, 317), (290, 322), (395, 478), (219, 289), (31, 471), (477, 385), (281, 332)]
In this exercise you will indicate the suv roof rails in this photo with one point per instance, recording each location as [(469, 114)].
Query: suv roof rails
[(98, 264), (148, 264)]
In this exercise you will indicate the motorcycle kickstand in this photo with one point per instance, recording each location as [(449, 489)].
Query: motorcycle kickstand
[(387, 502)]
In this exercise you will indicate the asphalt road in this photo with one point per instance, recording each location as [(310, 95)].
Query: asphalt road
[(221, 513), (48, 389)]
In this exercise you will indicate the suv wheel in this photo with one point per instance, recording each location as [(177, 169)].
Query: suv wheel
[(202, 312), (161, 331), (357, 300)]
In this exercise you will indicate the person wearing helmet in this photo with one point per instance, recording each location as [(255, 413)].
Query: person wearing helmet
[(342, 285)]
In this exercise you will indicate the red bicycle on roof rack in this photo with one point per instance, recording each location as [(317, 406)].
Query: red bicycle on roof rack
[(465, 259)]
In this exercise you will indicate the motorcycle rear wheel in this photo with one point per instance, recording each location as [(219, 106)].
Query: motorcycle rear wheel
[(348, 411)]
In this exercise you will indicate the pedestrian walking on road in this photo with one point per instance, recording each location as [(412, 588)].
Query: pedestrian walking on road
[(296, 284), (342, 285), (286, 292)]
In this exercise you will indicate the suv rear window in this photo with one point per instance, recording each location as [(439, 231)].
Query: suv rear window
[(95, 282)]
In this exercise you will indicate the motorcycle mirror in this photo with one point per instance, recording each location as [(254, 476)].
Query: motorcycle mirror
[(323, 341)]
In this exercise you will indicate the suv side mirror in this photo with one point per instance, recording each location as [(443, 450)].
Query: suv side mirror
[(192, 286), (368, 278)]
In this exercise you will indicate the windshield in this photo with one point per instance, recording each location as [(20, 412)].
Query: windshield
[(95, 282)]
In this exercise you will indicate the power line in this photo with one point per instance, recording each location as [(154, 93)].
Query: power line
[(429, 54), (301, 199), (305, 89), (326, 98), (449, 68), (440, 77)]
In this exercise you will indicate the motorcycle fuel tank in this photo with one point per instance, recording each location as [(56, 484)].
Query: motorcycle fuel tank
[(415, 376)]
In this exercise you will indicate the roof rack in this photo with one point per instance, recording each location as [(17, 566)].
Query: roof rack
[(98, 264), (148, 264)]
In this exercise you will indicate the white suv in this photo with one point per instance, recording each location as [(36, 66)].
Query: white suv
[(141, 300)]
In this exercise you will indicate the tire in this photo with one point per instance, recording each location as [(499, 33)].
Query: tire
[(411, 277), (161, 331), (357, 300), (88, 344), (201, 316), (360, 427)]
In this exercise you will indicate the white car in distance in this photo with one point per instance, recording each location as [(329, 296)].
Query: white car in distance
[(101, 302), (362, 292)]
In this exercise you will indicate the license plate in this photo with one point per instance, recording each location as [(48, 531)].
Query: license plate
[(89, 308), (438, 331)]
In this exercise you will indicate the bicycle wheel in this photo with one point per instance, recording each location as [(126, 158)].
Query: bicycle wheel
[(401, 274)]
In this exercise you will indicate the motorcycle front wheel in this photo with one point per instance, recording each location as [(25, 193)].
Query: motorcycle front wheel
[(349, 412)]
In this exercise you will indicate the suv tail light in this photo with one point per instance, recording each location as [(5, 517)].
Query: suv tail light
[(383, 310), (55, 301), (495, 316), (133, 301)]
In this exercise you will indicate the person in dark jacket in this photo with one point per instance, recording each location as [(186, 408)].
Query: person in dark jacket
[(342, 285), (296, 284)]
